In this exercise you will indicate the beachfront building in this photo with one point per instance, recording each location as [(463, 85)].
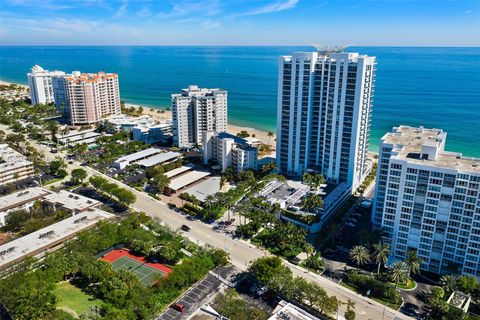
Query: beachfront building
[(82, 98), (14, 166), (196, 110), (90, 97), (153, 133), (144, 128), (324, 113), (40, 83), (428, 200), (227, 150)]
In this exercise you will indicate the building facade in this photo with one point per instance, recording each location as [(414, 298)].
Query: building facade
[(227, 151), (428, 200), (82, 98), (92, 96), (14, 166), (40, 83), (324, 113), (197, 110)]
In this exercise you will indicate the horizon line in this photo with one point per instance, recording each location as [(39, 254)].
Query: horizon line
[(227, 46)]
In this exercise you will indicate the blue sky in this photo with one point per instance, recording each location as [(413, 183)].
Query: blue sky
[(240, 22)]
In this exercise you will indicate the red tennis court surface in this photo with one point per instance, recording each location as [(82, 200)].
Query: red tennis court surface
[(114, 255)]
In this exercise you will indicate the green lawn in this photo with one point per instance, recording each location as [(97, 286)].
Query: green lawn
[(71, 297)]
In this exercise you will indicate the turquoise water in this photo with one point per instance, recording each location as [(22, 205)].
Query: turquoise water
[(434, 87)]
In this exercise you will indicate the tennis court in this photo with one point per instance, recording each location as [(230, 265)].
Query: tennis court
[(147, 272)]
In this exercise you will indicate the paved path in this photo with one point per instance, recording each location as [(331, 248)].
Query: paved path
[(241, 253)]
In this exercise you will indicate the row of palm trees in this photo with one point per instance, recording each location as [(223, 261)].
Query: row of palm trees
[(398, 271)]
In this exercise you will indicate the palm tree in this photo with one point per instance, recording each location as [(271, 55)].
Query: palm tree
[(381, 252), (360, 255), (398, 271), (309, 250), (448, 283), (269, 135), (307, 178), (413, 262), (350, 304), (210, 201), (312, 202), (53, 126)]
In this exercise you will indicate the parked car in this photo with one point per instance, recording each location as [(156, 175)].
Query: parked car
[(180, 307)]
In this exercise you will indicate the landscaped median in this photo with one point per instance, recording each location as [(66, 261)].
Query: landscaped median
[(377, 290)]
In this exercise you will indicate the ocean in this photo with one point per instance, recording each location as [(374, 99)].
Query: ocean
[(433, 87)]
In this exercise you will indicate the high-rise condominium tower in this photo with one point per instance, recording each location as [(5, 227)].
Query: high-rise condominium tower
[(40, 83), (82, 98), (196, 110), (89, 97), (323, 114), (428, 200)]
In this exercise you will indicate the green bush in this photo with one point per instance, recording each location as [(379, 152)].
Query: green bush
[(364, 283)]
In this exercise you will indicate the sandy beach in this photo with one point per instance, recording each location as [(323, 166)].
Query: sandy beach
[(233, 129), (6, 83)]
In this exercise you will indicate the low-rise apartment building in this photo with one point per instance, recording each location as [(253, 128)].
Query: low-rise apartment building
[(227, 150), (14, 166), (428, 200)]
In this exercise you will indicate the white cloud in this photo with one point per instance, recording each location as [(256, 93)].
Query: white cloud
[(144, 12), (468, 11), (183, 8), (277, 6), (122, 10), (210, 24)]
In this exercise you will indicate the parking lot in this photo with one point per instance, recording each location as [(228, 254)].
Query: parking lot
[(197, 295)]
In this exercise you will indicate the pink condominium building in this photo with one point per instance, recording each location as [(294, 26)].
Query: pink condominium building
[(90, 97)]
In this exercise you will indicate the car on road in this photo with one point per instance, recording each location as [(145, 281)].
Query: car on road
[(180, 307), (184, 227)]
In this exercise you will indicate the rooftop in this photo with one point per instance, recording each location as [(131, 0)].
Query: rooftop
[(71, 201), (186, 179), (11, 159), (194, 90), (48, 236), (288, 311), (79, 136), (426, 147), (159, 158), (225, 135), (139, 155), (16, 199), (177, 171)]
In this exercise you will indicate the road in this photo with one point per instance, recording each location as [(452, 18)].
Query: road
[(241, 252)]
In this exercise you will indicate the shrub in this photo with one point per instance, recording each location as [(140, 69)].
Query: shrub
[(378, 289)]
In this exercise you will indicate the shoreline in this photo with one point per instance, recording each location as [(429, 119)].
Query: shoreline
[(262, 135), (231, 128)]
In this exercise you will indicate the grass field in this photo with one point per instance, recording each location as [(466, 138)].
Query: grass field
[(143, 271), (73, 298)]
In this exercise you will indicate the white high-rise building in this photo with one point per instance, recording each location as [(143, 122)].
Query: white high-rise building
[(40, 83), (324, 113), (196, 110), (428, 200)]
